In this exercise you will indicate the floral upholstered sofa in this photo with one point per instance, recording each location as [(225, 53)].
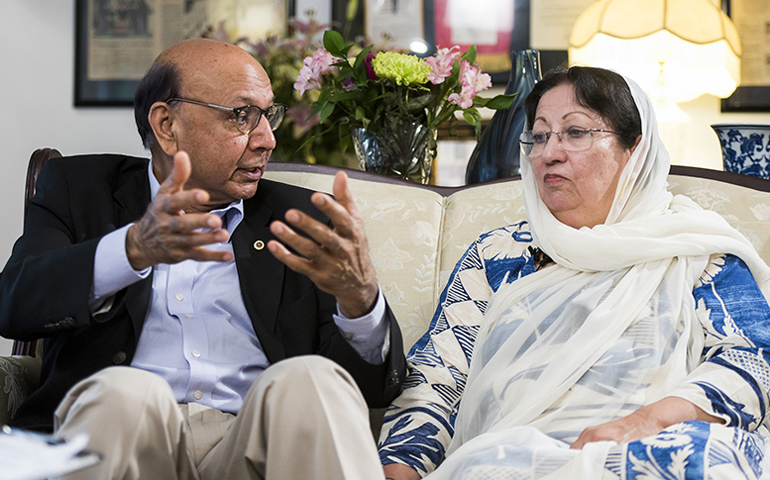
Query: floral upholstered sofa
[(417, 234)]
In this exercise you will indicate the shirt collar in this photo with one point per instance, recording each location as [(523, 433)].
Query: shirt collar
[(231, 214)]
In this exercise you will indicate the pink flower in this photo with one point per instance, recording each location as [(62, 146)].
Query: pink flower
[(313, 69), (471, 75), (465, 98), (442, 63), (473, 82), (303, 122), (349, 85)]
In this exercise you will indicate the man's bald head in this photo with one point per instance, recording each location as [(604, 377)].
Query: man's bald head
[(193, 62), (200, 54)]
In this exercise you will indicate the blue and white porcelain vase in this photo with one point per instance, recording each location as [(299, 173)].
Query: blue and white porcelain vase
[(497, 153), (745, 148)]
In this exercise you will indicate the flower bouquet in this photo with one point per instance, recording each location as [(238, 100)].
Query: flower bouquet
[(301, 138), (391, 104)]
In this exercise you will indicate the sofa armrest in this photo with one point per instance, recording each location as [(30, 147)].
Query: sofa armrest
[(19, 376)]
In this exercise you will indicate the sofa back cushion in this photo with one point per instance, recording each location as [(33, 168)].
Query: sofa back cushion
[(417, 235)]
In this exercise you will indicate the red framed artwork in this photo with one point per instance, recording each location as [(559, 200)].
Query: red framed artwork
[(488, 24)]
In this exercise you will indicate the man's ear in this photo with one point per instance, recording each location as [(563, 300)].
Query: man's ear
[(162, 118)]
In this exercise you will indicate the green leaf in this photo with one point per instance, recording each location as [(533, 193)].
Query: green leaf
[(361, 57), (470, 55), (419, 102), (326, 111), (499, 102), (452, 125), (315, 137), (472, 116), (334, 43), (342, 96), (317, 108)]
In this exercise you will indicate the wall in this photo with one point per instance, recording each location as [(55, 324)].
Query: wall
[(36, 91), (36, 97), (694, 143)]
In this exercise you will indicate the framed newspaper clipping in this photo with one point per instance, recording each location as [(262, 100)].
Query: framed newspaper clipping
[(117, 40)]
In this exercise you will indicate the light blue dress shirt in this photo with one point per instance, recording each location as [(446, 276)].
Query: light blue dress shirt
[(197, 334)]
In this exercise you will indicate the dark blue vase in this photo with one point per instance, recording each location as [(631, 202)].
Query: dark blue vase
[(497, 153)]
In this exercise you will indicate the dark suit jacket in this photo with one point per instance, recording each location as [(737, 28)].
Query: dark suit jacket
[(45, 286)]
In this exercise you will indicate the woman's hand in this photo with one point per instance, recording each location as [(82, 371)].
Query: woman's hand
[(647, 421), (398, 471)]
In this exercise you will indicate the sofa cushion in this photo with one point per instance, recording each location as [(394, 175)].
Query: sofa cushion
[(19, 376), (417, 234)]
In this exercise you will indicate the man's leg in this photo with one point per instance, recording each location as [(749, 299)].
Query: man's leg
[(303, 419), (132, 419)]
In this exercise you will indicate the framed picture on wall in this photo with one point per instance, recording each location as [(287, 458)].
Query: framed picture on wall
[(396, 23), (752, 20), (112, 50), (116, 41), (488, 24)]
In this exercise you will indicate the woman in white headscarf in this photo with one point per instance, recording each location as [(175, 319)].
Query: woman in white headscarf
[(621, 321)]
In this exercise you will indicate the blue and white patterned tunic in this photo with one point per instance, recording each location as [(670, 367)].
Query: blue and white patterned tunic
[(732, 383)]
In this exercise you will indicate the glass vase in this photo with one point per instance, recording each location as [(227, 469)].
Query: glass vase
[(497, 153), (406, 151)]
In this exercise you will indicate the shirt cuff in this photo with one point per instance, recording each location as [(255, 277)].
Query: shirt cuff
[(369, 335), (112, 271)]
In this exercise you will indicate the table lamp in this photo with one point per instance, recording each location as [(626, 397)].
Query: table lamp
[(677, 50)]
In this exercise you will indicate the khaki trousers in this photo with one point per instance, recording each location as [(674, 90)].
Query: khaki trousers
[(304, 418)]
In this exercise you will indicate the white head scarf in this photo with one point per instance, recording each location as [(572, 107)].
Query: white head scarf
[(543, 332), (641, 225)]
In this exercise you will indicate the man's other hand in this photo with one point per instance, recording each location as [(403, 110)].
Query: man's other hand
[(336, 260), (165, 234)]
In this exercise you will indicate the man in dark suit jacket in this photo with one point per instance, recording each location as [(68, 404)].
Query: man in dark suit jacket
[(109, 239)]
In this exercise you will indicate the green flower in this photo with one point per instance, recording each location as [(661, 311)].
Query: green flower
[(401, 68)]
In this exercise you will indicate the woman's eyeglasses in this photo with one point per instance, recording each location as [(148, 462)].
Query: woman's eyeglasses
[(247, 117), (573, 139)]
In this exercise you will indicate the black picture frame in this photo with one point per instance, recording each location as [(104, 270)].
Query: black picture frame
[(95, 93), (746, 99)]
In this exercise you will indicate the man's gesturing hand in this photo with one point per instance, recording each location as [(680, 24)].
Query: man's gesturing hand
[(336, 260), (165, 235)]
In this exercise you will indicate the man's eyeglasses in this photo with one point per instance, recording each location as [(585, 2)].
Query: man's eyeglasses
[(573, 139), (247, 117)]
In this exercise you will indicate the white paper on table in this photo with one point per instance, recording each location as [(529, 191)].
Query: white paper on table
[(33, 456)]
